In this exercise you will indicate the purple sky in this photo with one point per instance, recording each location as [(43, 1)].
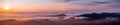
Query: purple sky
[(63, 5)]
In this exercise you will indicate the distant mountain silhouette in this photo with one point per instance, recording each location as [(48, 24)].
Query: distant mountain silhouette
[(60, 15), (100, 15)]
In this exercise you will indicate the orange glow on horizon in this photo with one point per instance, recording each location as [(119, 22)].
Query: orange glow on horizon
[(12, 7), (7, 7)]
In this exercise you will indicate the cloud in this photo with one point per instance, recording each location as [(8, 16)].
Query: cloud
[(66, 5), (69, 21), (87, 1), (92, 5)]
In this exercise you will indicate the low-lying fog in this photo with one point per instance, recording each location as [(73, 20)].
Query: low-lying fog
[(36, 19), (57, 21)]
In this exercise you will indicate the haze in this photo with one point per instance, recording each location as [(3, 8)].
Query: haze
[(61, 5)]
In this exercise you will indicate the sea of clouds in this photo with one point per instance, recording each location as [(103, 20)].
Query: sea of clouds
[(57, 21)]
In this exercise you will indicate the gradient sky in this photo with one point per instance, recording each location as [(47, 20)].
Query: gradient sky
[(63, 5)]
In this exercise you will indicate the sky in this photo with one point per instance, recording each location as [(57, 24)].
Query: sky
[(85, 6)]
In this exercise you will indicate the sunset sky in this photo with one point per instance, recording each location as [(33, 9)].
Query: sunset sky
[(61, 5)]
